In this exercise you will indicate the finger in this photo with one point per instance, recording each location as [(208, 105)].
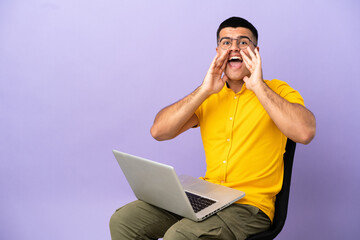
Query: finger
[(245, 79), (224, 63), (246, 60), (223, 57), (245, 56), (212, 67), (221, 61), (251, 53), (214, 60), (258, 55), (248, 67)]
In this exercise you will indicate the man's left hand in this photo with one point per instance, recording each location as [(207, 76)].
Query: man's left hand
[(253, 63)]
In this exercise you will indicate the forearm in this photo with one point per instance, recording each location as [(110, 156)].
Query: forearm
[(172, 120), (294, 120), (180, 116)]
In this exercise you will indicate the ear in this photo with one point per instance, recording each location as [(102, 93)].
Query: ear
[(258, 48)]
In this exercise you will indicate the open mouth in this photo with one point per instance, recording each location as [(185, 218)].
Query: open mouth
[(235, 61)]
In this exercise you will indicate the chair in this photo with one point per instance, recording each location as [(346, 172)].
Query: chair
[(282, 198)]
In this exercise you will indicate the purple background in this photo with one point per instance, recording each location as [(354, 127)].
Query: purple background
[(80, 78)]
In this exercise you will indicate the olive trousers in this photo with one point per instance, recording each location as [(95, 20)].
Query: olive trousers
[(140, 220)]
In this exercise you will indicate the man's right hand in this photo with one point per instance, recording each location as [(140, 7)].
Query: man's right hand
[(214, 80), (180, 116)]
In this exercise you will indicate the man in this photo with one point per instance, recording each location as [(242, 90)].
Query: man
[(244, 122)]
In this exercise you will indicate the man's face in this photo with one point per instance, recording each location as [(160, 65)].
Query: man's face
[(236, 69)]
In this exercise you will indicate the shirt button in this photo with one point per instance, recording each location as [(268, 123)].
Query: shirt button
[(235, 97), (222, 181), (230, 118), (224, 161), (228, 140)]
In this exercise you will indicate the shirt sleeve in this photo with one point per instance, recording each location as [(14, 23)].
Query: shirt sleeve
[(285, 91), (198, 113)]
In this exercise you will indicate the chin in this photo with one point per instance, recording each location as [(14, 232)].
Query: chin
[(236, 75)]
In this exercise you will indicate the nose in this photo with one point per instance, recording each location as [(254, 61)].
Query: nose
[(235, 45)]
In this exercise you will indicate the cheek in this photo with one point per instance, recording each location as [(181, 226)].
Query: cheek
[(220, 51)]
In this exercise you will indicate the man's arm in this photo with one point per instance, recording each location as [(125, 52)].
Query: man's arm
[(294, 120), (180, 116)]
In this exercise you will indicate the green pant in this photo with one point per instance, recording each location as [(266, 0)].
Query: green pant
[(139, 220)]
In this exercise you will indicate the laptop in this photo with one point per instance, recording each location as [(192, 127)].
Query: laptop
[(159, 185)]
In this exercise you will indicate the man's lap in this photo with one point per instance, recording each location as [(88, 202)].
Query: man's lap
[(139, 220)]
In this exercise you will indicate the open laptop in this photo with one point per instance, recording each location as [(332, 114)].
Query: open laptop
[(158, 184)]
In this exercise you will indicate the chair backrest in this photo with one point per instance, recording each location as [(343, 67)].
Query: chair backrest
[(282, 198)]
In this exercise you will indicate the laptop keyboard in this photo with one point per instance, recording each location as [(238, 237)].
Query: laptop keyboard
[(199, 203)]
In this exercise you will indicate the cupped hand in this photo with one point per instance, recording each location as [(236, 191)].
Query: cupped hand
[(215, 77), (253, 63)]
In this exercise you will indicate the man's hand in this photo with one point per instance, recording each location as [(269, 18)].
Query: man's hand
[(294, 121), (253, 63), (180, 116), (214, 80)]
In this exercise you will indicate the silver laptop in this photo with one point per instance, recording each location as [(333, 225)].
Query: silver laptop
[(158, 184)]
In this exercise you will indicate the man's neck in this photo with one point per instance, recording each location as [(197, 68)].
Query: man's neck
[(235, 85)]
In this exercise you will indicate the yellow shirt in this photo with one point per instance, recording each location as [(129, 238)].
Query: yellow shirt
[(243, 146)]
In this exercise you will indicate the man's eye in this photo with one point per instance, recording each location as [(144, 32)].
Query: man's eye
[(226, 42), (243, 43)]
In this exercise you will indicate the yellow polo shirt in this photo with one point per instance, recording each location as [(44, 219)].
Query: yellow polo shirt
[(243, 146)]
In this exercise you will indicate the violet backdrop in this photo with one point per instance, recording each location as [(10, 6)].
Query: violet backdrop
[(80, 78)]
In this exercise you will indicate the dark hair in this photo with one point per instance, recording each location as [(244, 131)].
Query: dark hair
[(235, 22)]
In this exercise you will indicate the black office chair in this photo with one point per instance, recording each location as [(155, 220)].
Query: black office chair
[(282, 198)]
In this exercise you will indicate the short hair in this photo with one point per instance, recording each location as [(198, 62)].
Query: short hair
[(235, 22)]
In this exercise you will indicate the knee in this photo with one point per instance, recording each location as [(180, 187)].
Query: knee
[(120, 225), (115, 220), (116, 224), (123, 215)]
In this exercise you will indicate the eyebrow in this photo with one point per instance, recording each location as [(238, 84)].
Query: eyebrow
[(239, 37)]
